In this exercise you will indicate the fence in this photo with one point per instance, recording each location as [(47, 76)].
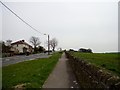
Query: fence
[(91, 76)]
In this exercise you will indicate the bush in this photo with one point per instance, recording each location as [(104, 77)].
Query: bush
[(85, 50)]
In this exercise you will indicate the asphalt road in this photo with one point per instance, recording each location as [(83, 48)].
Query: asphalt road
[(20, 58)]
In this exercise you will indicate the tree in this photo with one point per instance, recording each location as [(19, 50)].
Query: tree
[(53, 43), (41, 49), (71, 49), (35, 41), (85, 50), (8, 42), (4, 49), (1, 42), (89, 50)]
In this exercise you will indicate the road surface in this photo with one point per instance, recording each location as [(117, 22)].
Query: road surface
[(20, 58), (62, 76)]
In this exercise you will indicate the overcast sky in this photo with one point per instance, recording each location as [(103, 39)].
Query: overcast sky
[(74, 24)]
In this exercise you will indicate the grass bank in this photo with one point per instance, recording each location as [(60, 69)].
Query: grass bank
[(28, 74), (107, 61)]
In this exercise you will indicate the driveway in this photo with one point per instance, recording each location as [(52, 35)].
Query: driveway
[(20, 58)]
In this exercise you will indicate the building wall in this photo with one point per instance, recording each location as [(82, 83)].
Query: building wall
[(20, 47)]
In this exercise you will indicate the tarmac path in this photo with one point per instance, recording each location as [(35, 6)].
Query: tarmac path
[(62, 76)]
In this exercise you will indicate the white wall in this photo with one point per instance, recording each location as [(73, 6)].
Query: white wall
[(20, 47)]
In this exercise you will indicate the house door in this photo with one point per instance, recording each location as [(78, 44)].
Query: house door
[(24, 50)]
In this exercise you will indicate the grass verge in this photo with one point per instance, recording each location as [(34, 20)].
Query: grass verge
[(28, 74), (107, 61)]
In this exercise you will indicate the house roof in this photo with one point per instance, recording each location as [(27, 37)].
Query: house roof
[(21, 42)]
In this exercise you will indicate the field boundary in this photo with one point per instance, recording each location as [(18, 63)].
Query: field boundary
[(91, 76)]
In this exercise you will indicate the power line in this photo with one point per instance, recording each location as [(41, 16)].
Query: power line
[(21, 18), (26, 23)]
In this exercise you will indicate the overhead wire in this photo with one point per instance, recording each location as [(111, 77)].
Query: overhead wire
[(21, 18)]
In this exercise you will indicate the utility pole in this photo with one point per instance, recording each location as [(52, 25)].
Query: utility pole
[(48, 44), (27, 24)]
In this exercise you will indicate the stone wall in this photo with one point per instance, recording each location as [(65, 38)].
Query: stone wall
[(91, 76)]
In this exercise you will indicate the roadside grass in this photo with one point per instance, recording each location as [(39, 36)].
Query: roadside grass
[(107, 61), (28, 74)]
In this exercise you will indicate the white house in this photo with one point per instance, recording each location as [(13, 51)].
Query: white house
[(21, 47)]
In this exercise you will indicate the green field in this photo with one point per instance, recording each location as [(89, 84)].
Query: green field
[(107, 61), (28, 74)]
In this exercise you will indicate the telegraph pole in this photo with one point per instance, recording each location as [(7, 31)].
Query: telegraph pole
[(28, 25), (48, 44)]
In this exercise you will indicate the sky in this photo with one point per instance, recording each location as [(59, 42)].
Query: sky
[(75, 24)]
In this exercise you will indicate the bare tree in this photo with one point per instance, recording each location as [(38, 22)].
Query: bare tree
[(35, 41), (53, 43)]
